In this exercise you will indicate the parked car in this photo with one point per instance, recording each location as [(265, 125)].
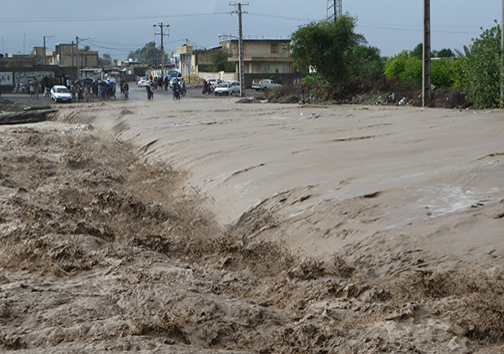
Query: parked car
[(234, 88), (144, 81), (222, 89), (60, 94), (265, 84)]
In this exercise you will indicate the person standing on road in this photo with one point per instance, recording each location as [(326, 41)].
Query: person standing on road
[(125, 88), (150, 94), (36, 85), (166, 83)]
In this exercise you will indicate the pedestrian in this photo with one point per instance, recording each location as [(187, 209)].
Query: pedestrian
[(36, 85), (126, 90), (150, 94), (166, 83), (31, 88)]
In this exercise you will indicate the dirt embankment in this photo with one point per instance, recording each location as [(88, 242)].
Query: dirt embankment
[(101, 252)]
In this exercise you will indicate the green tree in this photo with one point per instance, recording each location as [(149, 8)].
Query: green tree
[(394, 67), (326, 47), (445, 53), (443, 73), (483, 69), (417, 52), (149, 54), (365, 63), (404, 67), (105, 60), (220, 61)]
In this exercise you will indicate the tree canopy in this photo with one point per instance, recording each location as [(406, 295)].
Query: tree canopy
[(105, 60), (483, 69), (326, 47), (149, 54), (220, 61)]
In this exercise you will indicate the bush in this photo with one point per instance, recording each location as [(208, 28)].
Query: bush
[(484, 70)]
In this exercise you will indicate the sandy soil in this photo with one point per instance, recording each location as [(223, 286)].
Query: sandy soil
[(210, 226)]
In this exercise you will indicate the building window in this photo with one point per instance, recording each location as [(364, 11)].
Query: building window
[(274, 49)]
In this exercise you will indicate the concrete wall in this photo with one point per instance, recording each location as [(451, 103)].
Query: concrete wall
[(9, 77), (220, 75)]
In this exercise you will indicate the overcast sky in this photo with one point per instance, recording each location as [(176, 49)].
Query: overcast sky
[(121, 26)]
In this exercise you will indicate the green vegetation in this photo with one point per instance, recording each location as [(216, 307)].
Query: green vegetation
[(344, 65), (326, 47), (220, 61), (105, 60), (149, 54), (483, 70)]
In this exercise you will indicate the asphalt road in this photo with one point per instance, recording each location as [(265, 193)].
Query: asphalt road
[(138, 94)]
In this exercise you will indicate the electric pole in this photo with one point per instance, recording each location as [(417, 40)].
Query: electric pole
[(241, 51), (426, 80), (336, 8), (161, 26), (502, 59), (45, 61)]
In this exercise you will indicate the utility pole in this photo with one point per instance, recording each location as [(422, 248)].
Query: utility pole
[(78, 56), (426, 80), (161, 26), (502, 60), (77, 52), (49, 37), (241, 51), (336, 7)]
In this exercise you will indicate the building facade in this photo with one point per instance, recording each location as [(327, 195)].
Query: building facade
[(67, 55), (261, 56)]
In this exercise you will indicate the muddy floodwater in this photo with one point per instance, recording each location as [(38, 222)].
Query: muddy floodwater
[(208, 226)]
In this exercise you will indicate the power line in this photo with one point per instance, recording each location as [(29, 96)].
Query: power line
[(414, 29), (100, 19), (282, 17)]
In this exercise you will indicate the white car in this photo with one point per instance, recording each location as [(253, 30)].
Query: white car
[(61, 94), (213, 83), (222, 89), (234, 88), (143, 82)]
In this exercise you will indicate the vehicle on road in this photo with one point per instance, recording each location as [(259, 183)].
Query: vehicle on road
[(234, 88), (222, 89), (265, 84), (144, 81), (172, 73), (213, 83), (60, 94)]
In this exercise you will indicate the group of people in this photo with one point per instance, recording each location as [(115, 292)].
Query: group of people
[(209, 86), (35, 86), (177, 85)]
